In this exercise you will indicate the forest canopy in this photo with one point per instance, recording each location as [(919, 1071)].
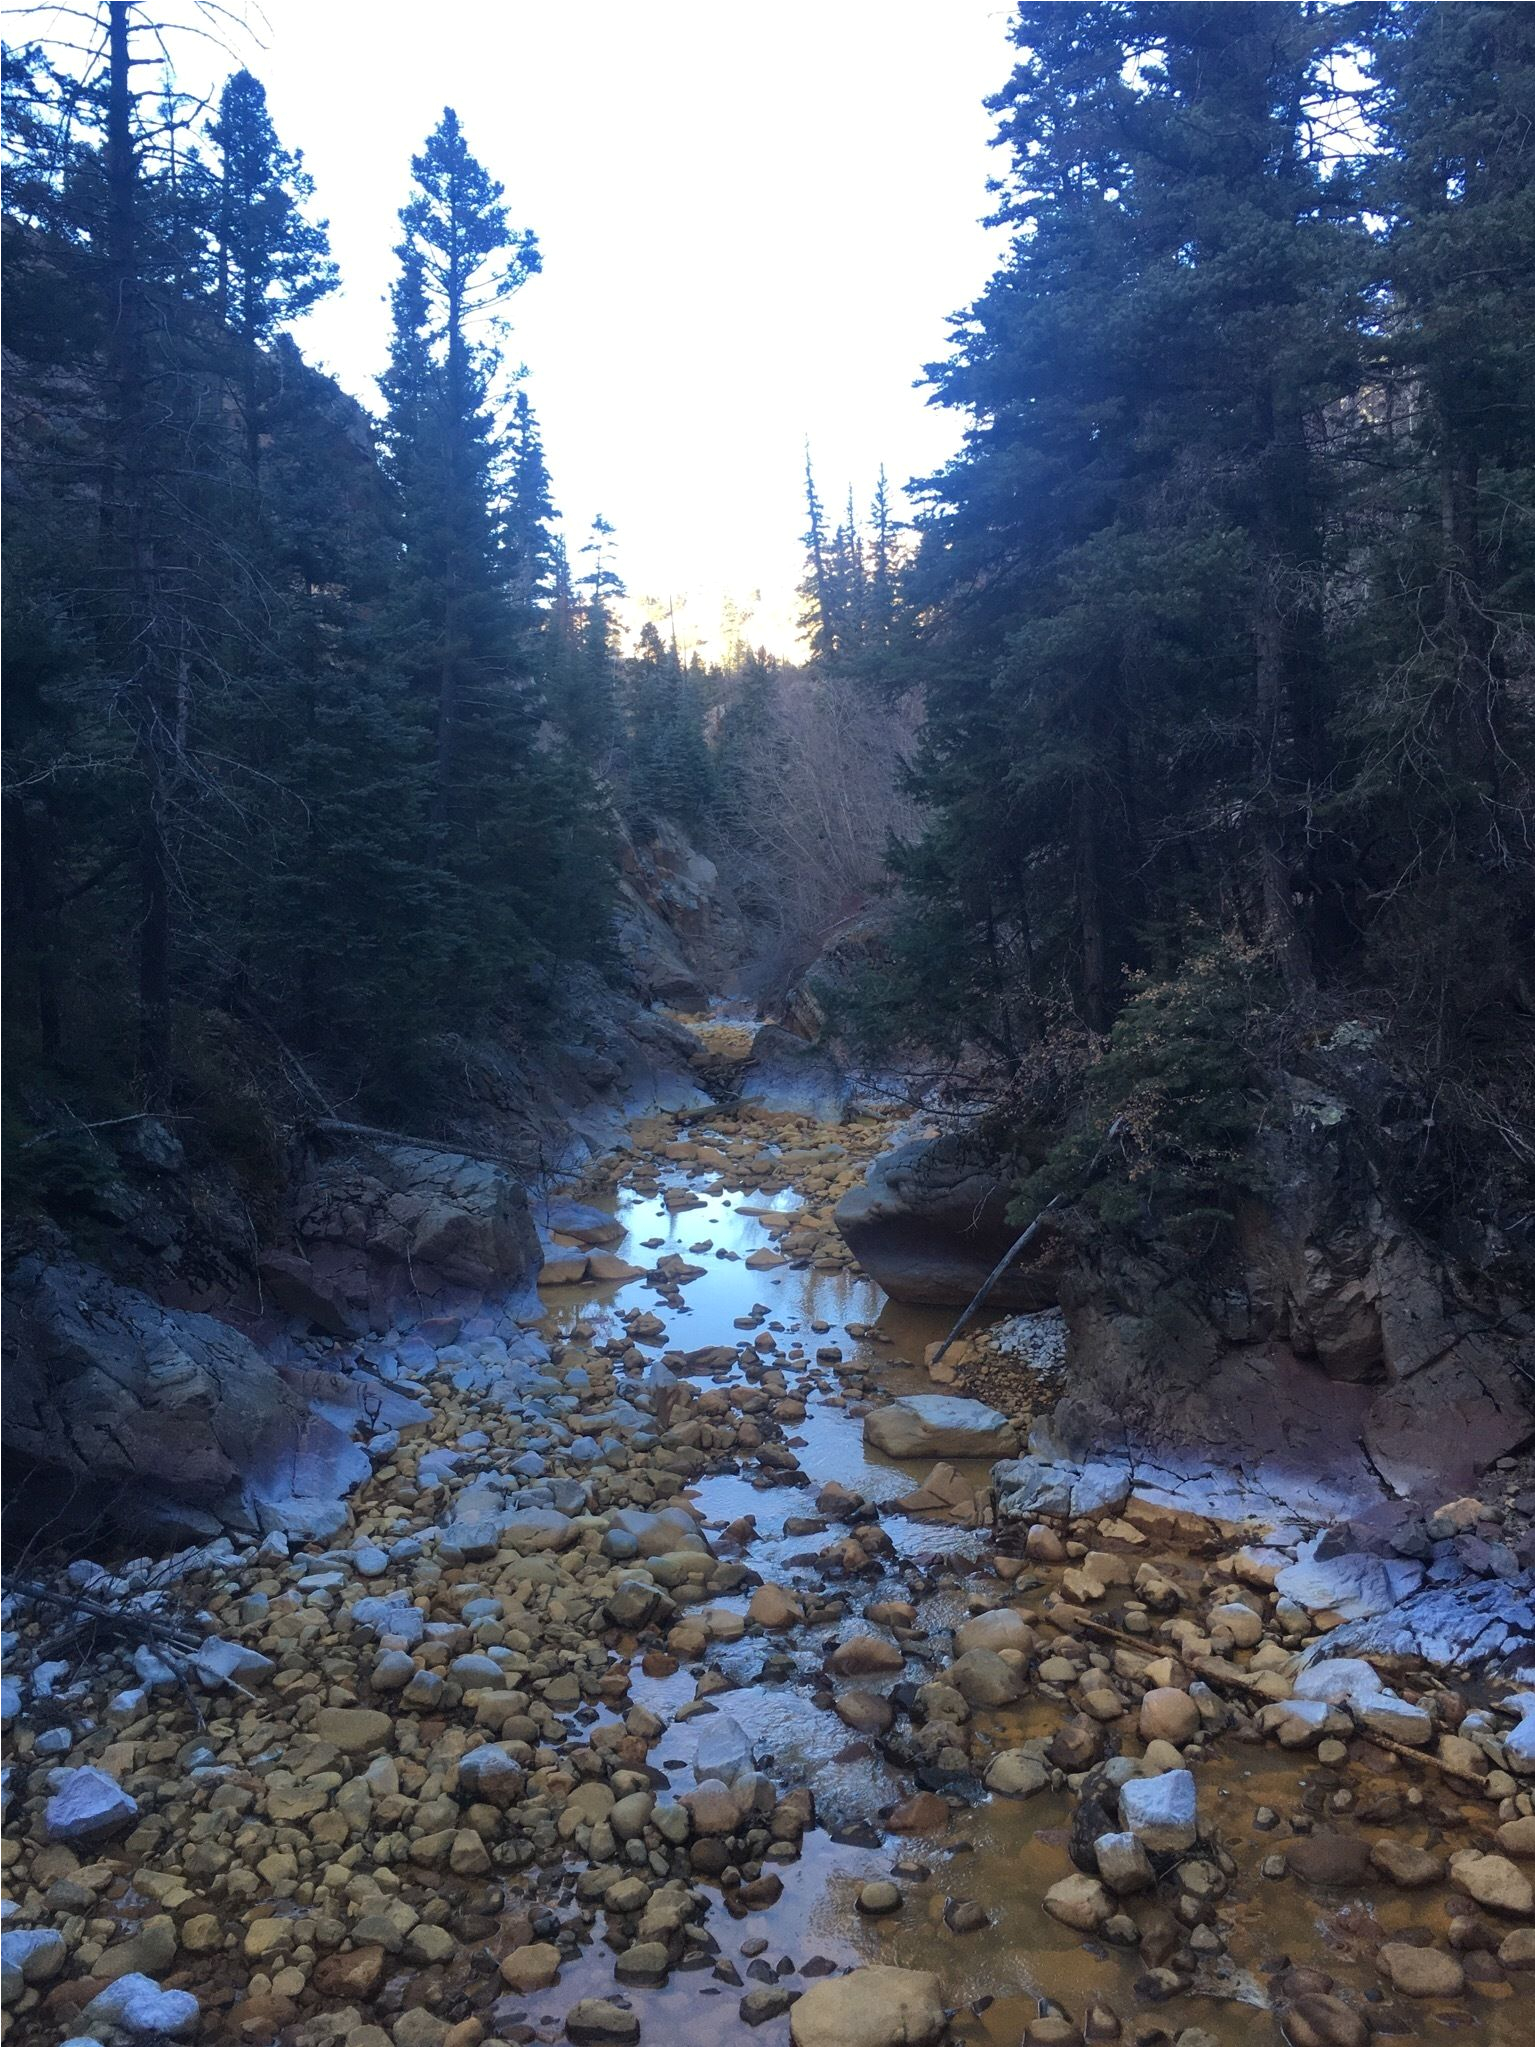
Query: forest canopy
[(1187, 726)]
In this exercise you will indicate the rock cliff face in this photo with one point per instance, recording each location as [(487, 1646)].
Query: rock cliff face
[(1329, 1310), (177, 1424), (785, 1072), (680, 930)]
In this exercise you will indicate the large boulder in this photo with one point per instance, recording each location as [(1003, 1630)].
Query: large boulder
[(930, 1221), (939, 1426), (377, 1219), (876, 2007), (785, 1072)]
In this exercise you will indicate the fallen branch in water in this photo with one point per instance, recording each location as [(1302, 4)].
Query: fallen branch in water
[(1021, 1241), (1086, 1622), (1219, 1675), (993, 1277), (1423, 1756)]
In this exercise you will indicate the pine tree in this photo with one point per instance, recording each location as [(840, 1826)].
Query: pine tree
[(530, 513), (459, 263), (273, 263), (459, 635), (587, 708), (882, 568), (819, 619), (671, 773)]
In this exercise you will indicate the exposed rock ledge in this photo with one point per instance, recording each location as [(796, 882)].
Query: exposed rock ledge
[(384, 1221), (177, 1424), (1329, 1331)]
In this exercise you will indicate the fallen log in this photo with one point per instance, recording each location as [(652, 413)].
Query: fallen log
[(124, 1620)]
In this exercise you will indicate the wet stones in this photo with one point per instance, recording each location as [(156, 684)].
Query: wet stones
[(1075, 1745), (1411, 1868), (922, 1814), (1328, 1859), (877, 1897), (1080, 1902), (869, 2008), (775, 1607), (1420, 1972), (601, 2023), (1123, 1864), (1168, 1715), (1002, 1629), (1317, 2019), (1016, 1774), (865, 1655), (765, 2002), (870, 1713), (939, 1426), (983, 1678), (1495, 1882)]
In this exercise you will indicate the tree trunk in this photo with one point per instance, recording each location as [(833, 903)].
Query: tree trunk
[(1090, 910), (1281, 926), (125, 518), (31, 854)]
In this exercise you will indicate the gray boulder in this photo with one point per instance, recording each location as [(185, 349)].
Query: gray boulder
[(376, 1205), (939, 1426), (87, 1806), (930, 1221), (786, 1072)]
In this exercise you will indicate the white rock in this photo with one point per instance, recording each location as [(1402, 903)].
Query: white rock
[(136, 2006), (724, 1750), (154, 1672), (1353, 1585), (1351, 1682), (87, 1806), (1302, 1724), (1520, 1742), (1161, 1812), (219, 1663)]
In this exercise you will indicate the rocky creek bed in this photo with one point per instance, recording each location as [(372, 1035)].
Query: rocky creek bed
[(675, 1681)]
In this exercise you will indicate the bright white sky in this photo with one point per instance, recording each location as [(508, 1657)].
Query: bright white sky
[(754, 220)]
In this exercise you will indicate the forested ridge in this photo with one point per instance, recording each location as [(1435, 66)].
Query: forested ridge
[(1187, 727), (1222, 613)]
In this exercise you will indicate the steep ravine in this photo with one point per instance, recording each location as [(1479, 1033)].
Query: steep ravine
[(643, 1697)]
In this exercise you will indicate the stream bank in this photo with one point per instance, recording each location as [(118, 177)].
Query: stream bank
[(645, 1697)]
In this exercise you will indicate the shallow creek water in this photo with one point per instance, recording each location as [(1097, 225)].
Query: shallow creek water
[(1003, 1853)]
